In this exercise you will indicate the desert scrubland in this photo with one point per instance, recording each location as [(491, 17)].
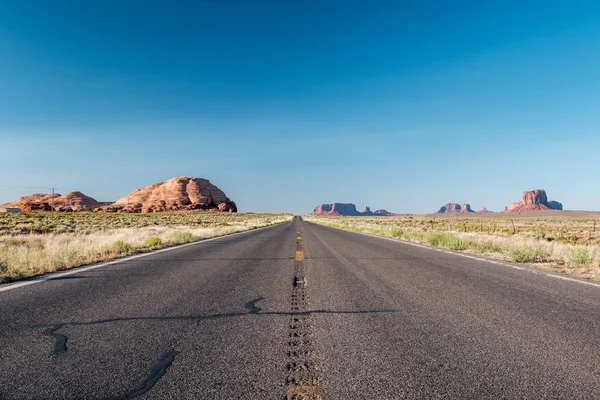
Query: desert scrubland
[(561, 241), (41, 242)]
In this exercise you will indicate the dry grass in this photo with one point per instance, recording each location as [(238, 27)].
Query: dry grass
[(26, 255), (532, 241)]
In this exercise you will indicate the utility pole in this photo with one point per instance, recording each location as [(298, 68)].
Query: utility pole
[(52, 202)]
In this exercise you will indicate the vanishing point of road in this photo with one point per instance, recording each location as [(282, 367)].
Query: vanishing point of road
[(300, 311)]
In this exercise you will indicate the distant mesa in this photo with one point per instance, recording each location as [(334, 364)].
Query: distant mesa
[(455, 208), (347, 209), (534, 200), (383, 213), (74, 201), (180, 193), (555, 205)]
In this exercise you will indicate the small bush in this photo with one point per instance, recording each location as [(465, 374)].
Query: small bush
[(121, 247), (580, 257), (3, 265), (180, 237), (529, 254), (153, 241), (448, 241), (488, 247), (397, 232)]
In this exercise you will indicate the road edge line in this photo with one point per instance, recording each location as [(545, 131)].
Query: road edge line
[(467, 255), (4, 287)]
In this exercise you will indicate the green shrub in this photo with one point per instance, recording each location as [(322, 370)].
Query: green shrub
[(580, 257), (3, 265), (488, 247), (529, 254), (180, 237), (573, 238), (153, 241), (397, 232), (448, 241), (121, 247)]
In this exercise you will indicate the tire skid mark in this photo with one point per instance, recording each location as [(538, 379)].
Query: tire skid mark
[(157, 372), (60, 344), (304, 378)]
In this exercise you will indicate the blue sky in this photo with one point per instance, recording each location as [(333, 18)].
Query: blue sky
[(403, 105)]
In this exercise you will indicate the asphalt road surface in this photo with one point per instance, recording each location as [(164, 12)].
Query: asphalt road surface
[(301, 311)]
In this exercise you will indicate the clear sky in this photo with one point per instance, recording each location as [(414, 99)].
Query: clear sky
[(403, 105)]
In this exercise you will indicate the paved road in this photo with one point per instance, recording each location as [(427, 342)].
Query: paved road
[(301, 309)]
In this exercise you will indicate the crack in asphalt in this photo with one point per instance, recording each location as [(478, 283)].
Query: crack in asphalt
[(200, 318), (157, 372), (60, 344)]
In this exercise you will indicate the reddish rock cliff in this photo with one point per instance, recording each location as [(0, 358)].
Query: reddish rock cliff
[(180, 193), (534, 200), (74, 201)]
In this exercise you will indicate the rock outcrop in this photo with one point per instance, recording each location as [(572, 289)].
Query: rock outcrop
[(341, 209), (455, 208), (383, 213), (555, 205), (180, 193), (346, 209), (534, 200), (484, 211), (74, 201)]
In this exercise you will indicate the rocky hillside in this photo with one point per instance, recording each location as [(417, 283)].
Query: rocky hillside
[(180, 193), (74, 201), (534, 200), (347, 209)]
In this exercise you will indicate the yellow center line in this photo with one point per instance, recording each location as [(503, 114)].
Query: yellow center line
[(304, 392), (299, 255)]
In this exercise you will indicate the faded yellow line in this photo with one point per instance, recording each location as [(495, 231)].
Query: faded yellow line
[(304, 392), (299, 237), (299, 255)]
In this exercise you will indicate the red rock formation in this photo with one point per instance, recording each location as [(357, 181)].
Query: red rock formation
[(74, 201), (466, 208), (534, 200), (180, 193), (451, 208), (346, 209), (338, 209), (484, 211)]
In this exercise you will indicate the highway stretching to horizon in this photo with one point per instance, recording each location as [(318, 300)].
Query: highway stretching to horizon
[(300, 311)]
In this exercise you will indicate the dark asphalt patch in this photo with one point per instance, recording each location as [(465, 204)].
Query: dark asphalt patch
[(157, 372), (60, 344)]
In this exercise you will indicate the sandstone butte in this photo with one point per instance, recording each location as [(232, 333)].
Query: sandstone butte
[(347, 209), (74, 201), (455, 208), (534, 200), (180, 193)]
